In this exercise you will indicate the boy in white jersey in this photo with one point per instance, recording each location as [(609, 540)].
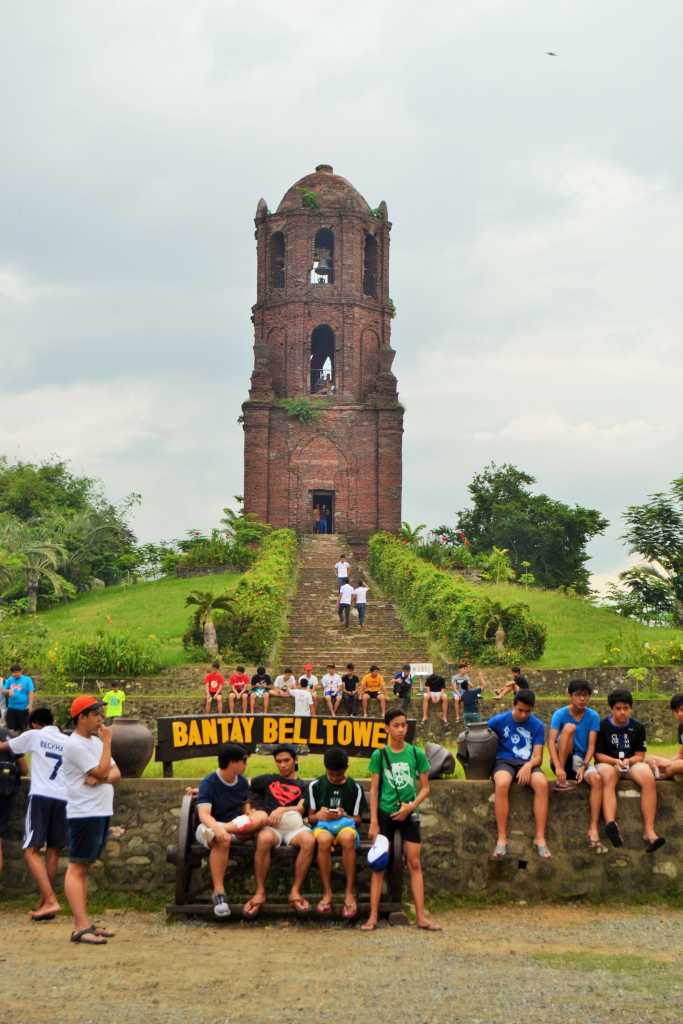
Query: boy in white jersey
[(332, 689), (46, 809)]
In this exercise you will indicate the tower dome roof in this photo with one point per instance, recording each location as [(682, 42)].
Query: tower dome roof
[(331, 189)]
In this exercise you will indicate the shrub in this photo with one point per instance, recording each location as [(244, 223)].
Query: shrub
[(110, 654), (449, 610), (256, 612)]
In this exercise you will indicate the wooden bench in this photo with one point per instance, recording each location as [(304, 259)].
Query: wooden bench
[(192, 886)]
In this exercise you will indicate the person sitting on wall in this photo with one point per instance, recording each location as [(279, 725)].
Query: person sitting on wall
[(517, 683), (399, 784), (334, 804), (435, 693), (213, 687), (372, 688), (518, 759), (239, 689), (283, 800), (260, 688), (571, 745), (457, 680), (225, 816), (350, 683), (620, 753), (669, 767), (332, 687)]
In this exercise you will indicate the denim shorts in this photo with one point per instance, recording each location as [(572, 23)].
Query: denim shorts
[(87, 838)]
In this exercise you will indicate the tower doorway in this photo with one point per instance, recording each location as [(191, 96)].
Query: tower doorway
[(323, 511)]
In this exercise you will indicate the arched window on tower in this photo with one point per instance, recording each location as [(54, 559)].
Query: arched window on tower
[(322, 270), (277, 260), (322, 361), (370, 266)]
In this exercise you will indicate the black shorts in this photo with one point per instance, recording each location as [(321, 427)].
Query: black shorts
[(374, 695), (87, 838), (409, 829), (6, 804), (513, 768), (45, 823), (16, 720)]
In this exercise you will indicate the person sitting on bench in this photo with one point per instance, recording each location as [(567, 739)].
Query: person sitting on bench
[(225, 816), (669, 767), (283, 799), (334, 803)]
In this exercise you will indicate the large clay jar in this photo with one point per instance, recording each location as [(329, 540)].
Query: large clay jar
[(477, 747), (132, 744)]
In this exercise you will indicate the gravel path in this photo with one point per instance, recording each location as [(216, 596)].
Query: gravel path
[(499, 966)]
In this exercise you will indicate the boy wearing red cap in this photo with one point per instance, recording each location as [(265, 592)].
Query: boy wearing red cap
[(89, 773)]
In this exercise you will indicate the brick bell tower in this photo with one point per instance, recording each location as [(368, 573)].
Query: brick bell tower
[(322, 326)]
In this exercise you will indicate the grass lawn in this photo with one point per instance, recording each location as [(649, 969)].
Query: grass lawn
[(311, 765), (577, 631), (144, 609)]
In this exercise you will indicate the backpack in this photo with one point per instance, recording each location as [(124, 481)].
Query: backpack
[(9, 778)]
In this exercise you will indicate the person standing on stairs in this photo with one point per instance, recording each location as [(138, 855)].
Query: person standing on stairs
[(360, 596), (343, 570), (345, 598)]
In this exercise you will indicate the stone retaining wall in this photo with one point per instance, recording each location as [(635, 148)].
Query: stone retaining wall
[(459, 834)]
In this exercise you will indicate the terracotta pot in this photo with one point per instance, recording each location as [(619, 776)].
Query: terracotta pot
[(132, 744), (477, 747)]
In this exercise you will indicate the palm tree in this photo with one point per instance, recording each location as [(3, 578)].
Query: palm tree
[(411, 535), (207, 604), (37, 558)]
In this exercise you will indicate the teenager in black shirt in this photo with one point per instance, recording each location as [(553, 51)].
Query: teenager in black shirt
[(620, 753), (282, 795), (349, 694)]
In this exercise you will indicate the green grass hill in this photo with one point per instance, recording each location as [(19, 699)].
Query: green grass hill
[(578, 632), (142, 609)]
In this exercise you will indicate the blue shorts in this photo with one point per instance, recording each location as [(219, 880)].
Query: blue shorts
[(45, 823), (87, 838), (335, 828)]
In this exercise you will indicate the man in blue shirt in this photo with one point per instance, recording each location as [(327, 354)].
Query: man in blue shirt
[(18, 690), (518, 759), (571, 744)]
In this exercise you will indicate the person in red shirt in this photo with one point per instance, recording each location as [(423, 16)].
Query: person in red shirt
[(239, 687), (213, 684)]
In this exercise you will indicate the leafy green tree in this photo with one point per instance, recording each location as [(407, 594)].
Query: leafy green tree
[(35, 559), (654, 531), (548, 534)]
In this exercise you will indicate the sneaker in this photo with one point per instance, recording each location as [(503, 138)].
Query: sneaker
[(221, 907)]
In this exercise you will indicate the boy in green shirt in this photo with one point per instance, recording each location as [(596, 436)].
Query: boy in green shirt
[(396, 771), (113, 701), (334, 803)]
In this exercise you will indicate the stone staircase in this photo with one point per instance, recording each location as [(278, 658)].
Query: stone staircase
[(315, 633)]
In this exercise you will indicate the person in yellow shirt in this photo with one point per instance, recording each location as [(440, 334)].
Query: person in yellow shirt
[(113, 701), (372, 687)]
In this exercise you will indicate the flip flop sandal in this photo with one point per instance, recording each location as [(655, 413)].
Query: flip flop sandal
[(324, 907), (254, 909), (654, 844), (103, 932), (78, 936), (542, 851), (431, 926), (349, 911), (500, 851), (300, 904), (597, 846), (43, 917), (614, 833)]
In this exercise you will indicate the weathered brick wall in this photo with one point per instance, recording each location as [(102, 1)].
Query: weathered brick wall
[(355, 448), (459, 834)]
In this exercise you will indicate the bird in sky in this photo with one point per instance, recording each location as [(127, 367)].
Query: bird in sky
[(550, 53)]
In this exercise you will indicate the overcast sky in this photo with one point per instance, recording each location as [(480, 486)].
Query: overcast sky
[(536, 247)]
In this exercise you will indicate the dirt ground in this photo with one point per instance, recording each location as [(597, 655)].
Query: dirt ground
[(496, 966)]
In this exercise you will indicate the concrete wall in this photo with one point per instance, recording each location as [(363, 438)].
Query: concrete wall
[(459, 835)]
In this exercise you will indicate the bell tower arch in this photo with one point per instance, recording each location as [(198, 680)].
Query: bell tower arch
[(323, 415)]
